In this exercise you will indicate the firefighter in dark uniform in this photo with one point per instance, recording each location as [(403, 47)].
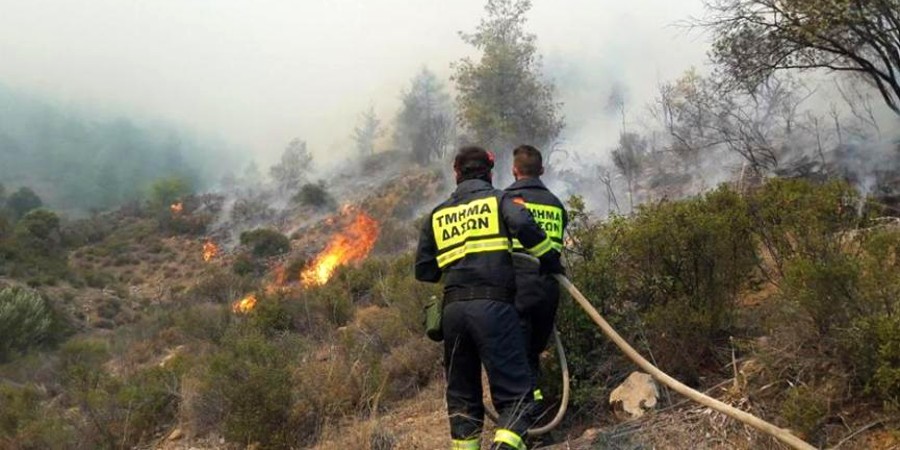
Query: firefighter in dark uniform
[(465, 242), (537, 294)]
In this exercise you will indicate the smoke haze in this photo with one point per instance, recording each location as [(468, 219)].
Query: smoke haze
[(257, 74)]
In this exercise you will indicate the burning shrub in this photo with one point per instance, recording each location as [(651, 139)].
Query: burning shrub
[(218, 285), (265, 242), (169, 190)]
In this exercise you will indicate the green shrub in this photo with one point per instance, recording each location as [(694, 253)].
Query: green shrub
[(204, 322), (794, 217), (265, 242), (116, 411), (245, 264), (22, 201), (669, 275), (804, 409), (26, 320), (166, 191), (270, 316), (26, 422), (826, 287), (247, 387), (217, 285), (313, 194)]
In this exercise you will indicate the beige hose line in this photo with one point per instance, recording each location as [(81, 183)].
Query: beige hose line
[(564, 401), (779, 433)]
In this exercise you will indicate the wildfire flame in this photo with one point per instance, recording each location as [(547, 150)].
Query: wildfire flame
[(244, 305), (210, 250), (350, 245), (176, 208)]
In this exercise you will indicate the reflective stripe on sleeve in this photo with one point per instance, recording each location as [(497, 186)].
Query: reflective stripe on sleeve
[(473, 246), (467, 444), (517, 246), (509, 438), (538, 250)]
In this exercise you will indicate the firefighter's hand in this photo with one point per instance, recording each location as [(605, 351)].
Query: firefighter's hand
[(551, 264)]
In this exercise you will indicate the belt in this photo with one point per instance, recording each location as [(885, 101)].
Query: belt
[(478, 293)]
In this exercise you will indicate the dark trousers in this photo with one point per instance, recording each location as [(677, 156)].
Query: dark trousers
[(537, 299), (485, 332)]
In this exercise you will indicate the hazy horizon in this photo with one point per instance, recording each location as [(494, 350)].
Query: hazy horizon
[(257, 75)]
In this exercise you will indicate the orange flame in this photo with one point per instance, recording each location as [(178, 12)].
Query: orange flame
[(244, 305), (176, 208), (210, 250), (352, 244)]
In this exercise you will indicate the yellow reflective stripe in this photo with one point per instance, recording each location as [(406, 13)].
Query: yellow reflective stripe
[(467, 444), (509, 438), (516, 245), (538, 250), (475, 246), (538, 395)]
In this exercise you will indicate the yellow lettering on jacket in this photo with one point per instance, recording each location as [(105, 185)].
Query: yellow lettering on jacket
[(456, 224), (550, 218)]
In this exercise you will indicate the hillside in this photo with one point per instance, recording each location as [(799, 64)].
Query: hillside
[(177, 328)]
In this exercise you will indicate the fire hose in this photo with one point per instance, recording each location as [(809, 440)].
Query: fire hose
[(781, 434)]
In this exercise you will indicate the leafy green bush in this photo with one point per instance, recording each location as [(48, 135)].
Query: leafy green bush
[(670, 274), (265, 242), (220, 286), (793, 217), (313, 194), (22, 201), (247, 387), (168, 190), (826, 287), (116, 411), (804, 409), (27, 423), (26, 320)]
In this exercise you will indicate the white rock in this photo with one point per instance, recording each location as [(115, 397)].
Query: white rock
[(636, 395)]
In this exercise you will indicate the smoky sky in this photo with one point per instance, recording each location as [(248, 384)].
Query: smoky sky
[(259, 73)]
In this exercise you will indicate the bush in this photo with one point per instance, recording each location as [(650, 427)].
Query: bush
[(804, 409), (26, 320), (675, 267), (116, 412), (247, 387), (166, 191), (793, 217), (27, 423), (217, 285), (265, 242), (314, 195), (22, 201)]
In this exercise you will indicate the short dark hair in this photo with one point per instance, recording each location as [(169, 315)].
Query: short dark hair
[(528, 161), (473, 162)]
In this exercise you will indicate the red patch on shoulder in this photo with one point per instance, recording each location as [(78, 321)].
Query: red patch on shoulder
[(519, 201)]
